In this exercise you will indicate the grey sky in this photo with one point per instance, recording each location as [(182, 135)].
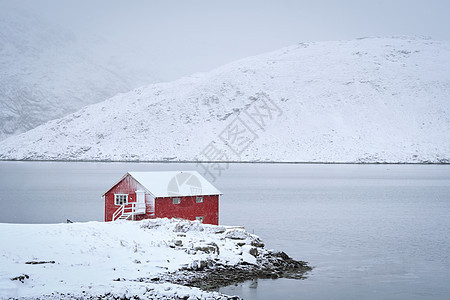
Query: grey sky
[(176, 38)]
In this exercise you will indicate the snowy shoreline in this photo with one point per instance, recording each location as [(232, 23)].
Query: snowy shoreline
[(169, 259)]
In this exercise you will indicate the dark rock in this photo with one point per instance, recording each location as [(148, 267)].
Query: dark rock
[(257, 243), (209, 275), (254, 252), (274, 276), (21, 278), (282, 255), (39, 262)]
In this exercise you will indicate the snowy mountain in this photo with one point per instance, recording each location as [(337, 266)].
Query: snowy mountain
[(47, 72), (365, 100)]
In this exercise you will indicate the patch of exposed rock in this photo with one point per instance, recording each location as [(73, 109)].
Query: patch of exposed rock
[(213, 272), (209, 275)]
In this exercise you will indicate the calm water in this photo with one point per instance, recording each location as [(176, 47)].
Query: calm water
[(370, 231)]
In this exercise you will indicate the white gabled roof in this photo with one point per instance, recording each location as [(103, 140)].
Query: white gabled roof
[(175, 183)]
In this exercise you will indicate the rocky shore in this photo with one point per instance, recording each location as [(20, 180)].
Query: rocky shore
[(150, 259), (211, 275)]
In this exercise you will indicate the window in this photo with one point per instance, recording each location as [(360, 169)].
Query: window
[(120, 199), (199, 199), (199, 219), (176, 200)]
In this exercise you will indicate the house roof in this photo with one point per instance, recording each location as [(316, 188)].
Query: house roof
[(174, 183)]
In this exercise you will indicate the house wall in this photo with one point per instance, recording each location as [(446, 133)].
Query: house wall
[(127, 186), (189, 209)]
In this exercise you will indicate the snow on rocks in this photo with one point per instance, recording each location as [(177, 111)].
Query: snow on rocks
[(229, 255), (161, 258)]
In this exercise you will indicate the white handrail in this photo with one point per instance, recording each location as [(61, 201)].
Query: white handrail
[(118, 212), (121, 210)]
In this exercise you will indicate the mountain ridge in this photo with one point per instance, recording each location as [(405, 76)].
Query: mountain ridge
[(371, 100)]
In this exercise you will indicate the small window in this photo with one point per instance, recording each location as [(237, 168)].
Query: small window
[(199, 199), (176, 200), (120, 199), (199, 219)]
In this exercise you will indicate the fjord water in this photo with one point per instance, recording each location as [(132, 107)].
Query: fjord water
[(370, 231)]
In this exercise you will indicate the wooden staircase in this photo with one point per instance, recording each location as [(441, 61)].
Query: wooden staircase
[(125, 212), (129, 211), (125, 216)]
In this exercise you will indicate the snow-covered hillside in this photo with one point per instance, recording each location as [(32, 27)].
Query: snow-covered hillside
[(47, 72), (365, 100)]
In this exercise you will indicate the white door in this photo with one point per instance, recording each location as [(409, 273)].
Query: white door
[(140, 202)]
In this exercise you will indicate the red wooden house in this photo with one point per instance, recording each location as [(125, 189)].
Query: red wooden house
[(174, 194)]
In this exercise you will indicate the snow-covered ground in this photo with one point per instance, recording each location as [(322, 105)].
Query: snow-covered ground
[(365, 100), (47, 72), (96, 258)]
